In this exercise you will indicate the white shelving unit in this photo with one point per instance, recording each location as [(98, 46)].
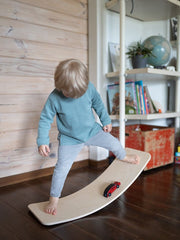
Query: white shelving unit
[(145, 11)]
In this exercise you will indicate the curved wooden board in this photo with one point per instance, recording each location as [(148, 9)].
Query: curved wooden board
[(90, 199)]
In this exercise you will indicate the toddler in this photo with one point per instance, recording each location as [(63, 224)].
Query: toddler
[(73, 101)]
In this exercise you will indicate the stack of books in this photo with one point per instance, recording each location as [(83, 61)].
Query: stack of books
[(137, 98)]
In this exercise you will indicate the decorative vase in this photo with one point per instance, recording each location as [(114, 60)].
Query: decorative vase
[(139, 61)]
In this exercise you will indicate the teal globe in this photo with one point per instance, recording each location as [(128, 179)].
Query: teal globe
[(161, 50)]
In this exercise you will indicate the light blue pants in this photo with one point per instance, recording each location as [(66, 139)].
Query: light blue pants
[(68, 153)]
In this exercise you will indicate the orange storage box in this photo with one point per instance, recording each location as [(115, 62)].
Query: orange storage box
[(158, 141)]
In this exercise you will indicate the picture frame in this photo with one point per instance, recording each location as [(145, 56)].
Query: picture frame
[(114, 50), (173, 28)]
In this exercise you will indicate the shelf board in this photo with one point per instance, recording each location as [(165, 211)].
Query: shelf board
[(147, 116), (146, 70), (176, 2), (146, 10)]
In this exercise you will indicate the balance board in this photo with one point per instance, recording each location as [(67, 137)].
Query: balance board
[(90, 198)]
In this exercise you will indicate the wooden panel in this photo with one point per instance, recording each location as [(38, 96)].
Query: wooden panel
[(25, 67), (27, 158), (30, 160), (34, 37), (26, 31), (150, 116), (175, 2), (40, 16), (22, 138), (19, 121), (22, 177), (159, 72), (22, 103), (26, 85), (35, 50), (76, 8)]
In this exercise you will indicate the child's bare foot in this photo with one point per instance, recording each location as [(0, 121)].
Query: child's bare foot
[(132, 158), (51, 208)]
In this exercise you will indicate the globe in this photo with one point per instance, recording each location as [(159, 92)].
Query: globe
[(161, 50)]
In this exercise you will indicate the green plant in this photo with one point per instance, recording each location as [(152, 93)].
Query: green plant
[(139, 49)]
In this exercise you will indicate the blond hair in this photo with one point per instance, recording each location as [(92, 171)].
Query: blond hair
[(71, 77)]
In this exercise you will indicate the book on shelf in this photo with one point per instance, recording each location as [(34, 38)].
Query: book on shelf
[(137, 98), (113, 98), (141, 98), (150, 104), (130, 98), (146, 101)]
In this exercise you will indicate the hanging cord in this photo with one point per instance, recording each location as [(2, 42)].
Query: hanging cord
[(132, 9)]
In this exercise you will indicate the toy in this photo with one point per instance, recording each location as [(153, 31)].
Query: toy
[(89, 199), (177, 155), (111, 188)]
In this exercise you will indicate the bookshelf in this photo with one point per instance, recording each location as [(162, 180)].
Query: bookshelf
[(146, 10)]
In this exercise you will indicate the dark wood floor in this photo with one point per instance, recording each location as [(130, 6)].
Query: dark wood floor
[(148, 210)]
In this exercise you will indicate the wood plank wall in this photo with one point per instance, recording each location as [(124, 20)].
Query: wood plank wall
[(34, 37)]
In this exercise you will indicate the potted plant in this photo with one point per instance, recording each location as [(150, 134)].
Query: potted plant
[(138, 54)]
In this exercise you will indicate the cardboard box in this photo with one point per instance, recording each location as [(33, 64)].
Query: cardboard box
[(158, 141)]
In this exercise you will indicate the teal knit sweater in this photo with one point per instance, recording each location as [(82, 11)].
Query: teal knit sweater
[(75, 119)]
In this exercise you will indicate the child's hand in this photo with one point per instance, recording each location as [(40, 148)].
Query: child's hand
[(107, 128), (44, 150)]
